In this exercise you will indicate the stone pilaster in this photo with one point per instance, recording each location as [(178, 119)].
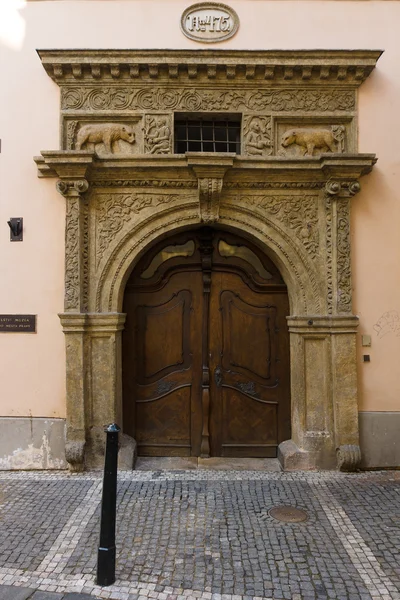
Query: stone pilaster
[(76, 244), (324, 394), (76, 388), (339, 293)]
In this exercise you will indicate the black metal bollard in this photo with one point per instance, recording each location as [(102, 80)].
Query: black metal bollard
[(106, 553)]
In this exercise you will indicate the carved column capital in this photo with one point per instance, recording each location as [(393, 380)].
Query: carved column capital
[(340, 188), (72, 187)]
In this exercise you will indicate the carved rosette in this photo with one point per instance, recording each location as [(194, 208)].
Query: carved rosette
[(76, 244), (338, 194)]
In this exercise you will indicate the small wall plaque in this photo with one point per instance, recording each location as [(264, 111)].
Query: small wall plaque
[(209, 22), (17, 323)]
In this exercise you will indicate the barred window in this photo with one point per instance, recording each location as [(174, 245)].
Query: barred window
[(207, 133)]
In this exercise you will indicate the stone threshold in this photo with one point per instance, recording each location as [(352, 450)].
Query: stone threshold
[(168, 463)]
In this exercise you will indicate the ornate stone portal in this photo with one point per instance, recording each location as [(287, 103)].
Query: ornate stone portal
[(289, 191)]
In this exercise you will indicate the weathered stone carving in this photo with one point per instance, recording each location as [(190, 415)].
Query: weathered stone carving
[(343, 257), (157, 135), (150, 183), (348, 457), (75, 456), (338, 193), (299, 213), (309, 140), (72, 292), (209, 196), (72, 190), (104, 133), (105, 236), (71, 133), (116, 209), (189, 99), (257, 135)]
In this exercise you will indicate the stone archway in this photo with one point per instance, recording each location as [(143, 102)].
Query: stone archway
[(294, 206)]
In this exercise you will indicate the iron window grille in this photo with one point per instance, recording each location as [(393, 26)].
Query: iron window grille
[(207, 134)]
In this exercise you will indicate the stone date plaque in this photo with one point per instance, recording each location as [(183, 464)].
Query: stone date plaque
[(209, 22), (17, 323)]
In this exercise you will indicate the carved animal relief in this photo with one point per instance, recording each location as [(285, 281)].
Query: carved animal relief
[(321, 140), (108, 135)]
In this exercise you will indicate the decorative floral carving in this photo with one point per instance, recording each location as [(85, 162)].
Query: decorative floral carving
[(72, 274), (117, 209), (300, 213), (156, 98), (274, 185), (329, 253), (152, 183), (157, 135), (85, 255), (71, 131), (343, 257), (257, 135)]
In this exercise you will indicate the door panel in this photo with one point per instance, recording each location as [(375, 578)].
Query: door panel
[(162, 368), (205, 350), (249, 389)]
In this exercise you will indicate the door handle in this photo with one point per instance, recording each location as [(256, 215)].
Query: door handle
[(218, 376)]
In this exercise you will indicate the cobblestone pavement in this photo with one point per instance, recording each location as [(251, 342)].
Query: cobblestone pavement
[(183, 535)]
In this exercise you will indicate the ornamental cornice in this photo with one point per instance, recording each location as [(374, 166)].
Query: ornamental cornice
[(241, 171), (286, 67)]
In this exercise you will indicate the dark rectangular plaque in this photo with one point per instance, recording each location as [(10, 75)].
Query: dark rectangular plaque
[(17, 323)]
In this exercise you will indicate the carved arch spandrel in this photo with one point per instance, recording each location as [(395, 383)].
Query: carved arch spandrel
[(305, 289)]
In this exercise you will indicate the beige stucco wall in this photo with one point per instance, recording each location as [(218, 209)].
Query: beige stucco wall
[(32, 366)]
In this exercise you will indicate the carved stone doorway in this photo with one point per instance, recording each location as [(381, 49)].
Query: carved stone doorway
[(206, 349), (288, 189)]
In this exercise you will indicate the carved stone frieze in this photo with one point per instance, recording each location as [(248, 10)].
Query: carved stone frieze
[(207, 100), (150, 183), (298, 213)]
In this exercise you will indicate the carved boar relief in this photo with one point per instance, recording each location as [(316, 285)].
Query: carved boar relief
[(312, 139), (103, 136)]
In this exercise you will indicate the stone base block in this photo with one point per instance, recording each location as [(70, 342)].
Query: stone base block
[(127, 454), (32, 443), (293, 459)]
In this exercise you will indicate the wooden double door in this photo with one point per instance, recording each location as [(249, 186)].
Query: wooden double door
[(205, 349)]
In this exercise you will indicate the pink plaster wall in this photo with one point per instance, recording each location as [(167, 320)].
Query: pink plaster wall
[(32, 366)]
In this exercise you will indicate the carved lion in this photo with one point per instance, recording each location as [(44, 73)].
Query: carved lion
[(309, 139), (106, 133)]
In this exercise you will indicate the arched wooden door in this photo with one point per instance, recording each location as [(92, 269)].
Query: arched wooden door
[(206, 349)]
